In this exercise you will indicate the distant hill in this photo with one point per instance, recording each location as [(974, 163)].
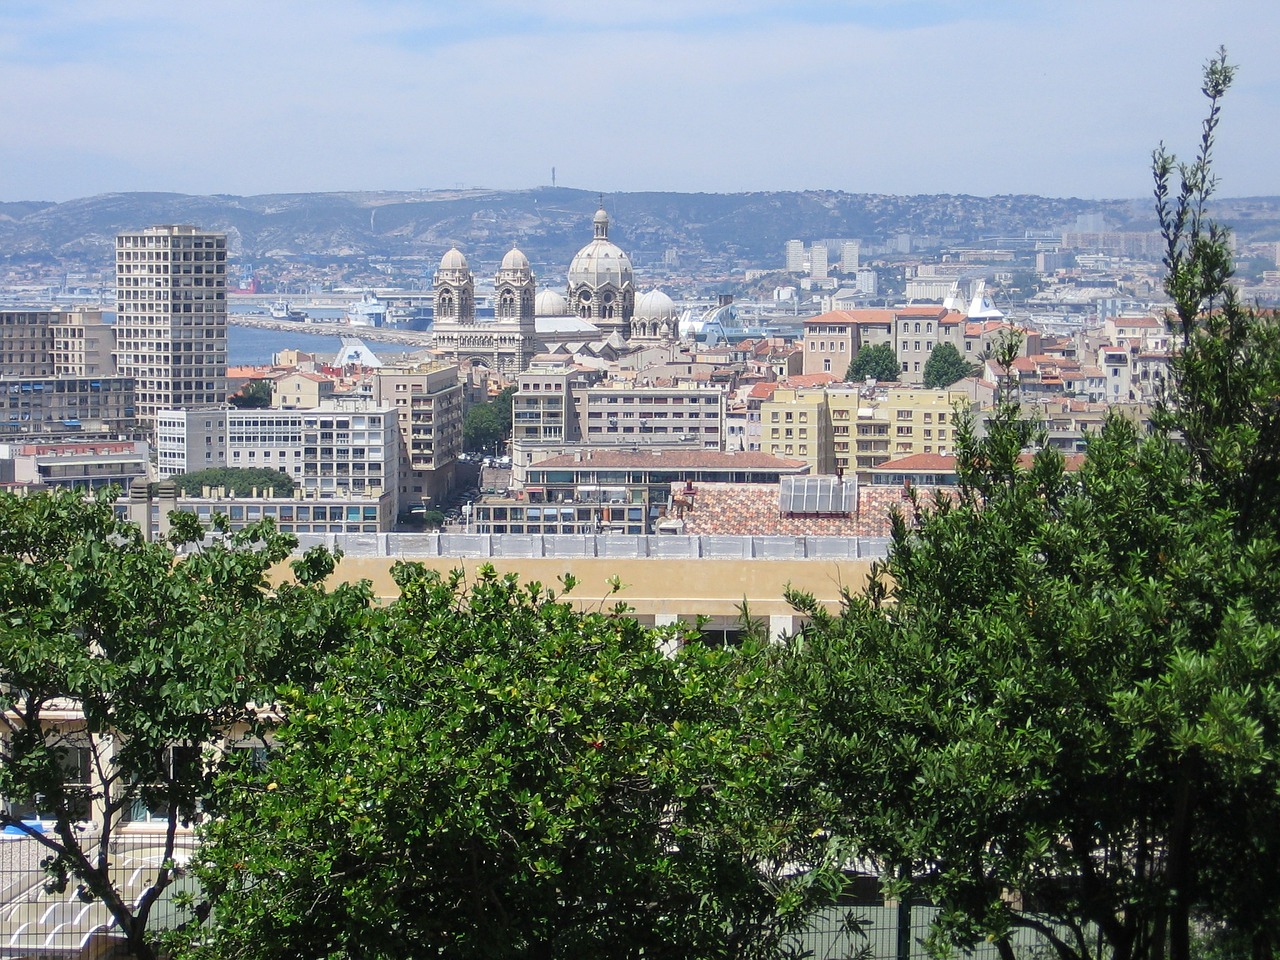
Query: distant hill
[(549, 224)]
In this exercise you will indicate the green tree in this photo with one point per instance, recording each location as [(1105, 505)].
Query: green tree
[(487, 424), (945, 366), (875, 362), (241, 481), (1056, 707), (254, 395), (491, 773), (122, 664)]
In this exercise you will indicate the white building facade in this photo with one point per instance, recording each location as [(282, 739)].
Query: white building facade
[(171, 317)]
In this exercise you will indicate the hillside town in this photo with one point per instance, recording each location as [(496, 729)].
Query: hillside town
[(629, 412)]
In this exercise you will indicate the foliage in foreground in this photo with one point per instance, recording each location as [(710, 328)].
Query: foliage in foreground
[(490, 773), (161, 652), (1057, 706)]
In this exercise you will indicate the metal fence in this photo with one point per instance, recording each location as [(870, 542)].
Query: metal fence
[(39, 920), (880, 931), (613, 546)]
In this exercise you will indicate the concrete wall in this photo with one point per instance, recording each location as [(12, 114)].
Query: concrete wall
[(654, 587)]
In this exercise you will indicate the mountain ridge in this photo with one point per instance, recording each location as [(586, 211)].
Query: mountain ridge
[(551, 223)]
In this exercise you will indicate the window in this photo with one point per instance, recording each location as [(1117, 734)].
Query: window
[(77, 764), (174, 765)]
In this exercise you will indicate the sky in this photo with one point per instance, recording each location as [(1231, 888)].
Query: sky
[(983, 97)]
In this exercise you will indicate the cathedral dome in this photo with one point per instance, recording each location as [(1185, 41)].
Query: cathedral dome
[(601, 261), (453, 260), (549, 303), (515, 260), (655, 305)]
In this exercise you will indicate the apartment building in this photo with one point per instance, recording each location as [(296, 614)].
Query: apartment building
[(831, 340), (300, 390), (559, 409), (344, 448), (795, 424), (844, 428), (26, 341), (81, 344), (618, 491), (59, 405), (171, 317), (917, 330), (428, 403), (75, 464)]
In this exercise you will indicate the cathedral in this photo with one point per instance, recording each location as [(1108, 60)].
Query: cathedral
[(600, 305)]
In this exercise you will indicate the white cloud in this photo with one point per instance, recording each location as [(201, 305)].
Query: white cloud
[(710, 95)]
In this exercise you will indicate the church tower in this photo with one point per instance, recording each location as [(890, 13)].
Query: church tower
[(455, 289), (515, 334)]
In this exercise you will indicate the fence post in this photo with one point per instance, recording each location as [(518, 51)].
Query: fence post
[(904, 919)]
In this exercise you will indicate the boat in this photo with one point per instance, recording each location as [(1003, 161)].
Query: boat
[(283, 310), (368, 311)]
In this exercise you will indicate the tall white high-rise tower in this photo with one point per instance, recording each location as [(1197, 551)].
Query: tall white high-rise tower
[(171, 317)]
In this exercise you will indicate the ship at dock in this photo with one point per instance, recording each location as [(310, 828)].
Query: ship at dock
[(368, 311), (284, 310)]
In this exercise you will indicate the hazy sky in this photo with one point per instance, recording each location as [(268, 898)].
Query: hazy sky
[(982, 97)]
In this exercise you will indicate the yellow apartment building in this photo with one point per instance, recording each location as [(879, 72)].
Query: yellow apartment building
[(845, 427)]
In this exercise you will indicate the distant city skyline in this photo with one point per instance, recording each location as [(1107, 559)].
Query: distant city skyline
[(866, 96)]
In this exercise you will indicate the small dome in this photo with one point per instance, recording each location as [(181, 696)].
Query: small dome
[(655, 305), (515, 260), (453, 260), (549, 303)]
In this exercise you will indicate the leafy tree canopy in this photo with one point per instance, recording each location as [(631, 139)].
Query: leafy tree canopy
[(945, 366), (254, 395), (491, 773), (159, 652), (875, 362), (241, 481), (1057, 705), (487, 424)]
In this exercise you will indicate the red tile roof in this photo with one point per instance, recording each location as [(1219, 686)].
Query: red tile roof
[(851, 316), (923, 462), (811, 380)]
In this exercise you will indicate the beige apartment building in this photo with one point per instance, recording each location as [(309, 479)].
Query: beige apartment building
[(831, 340), (428, 404), (171, 317), (82, 345), (560, 410), (300, 390)]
